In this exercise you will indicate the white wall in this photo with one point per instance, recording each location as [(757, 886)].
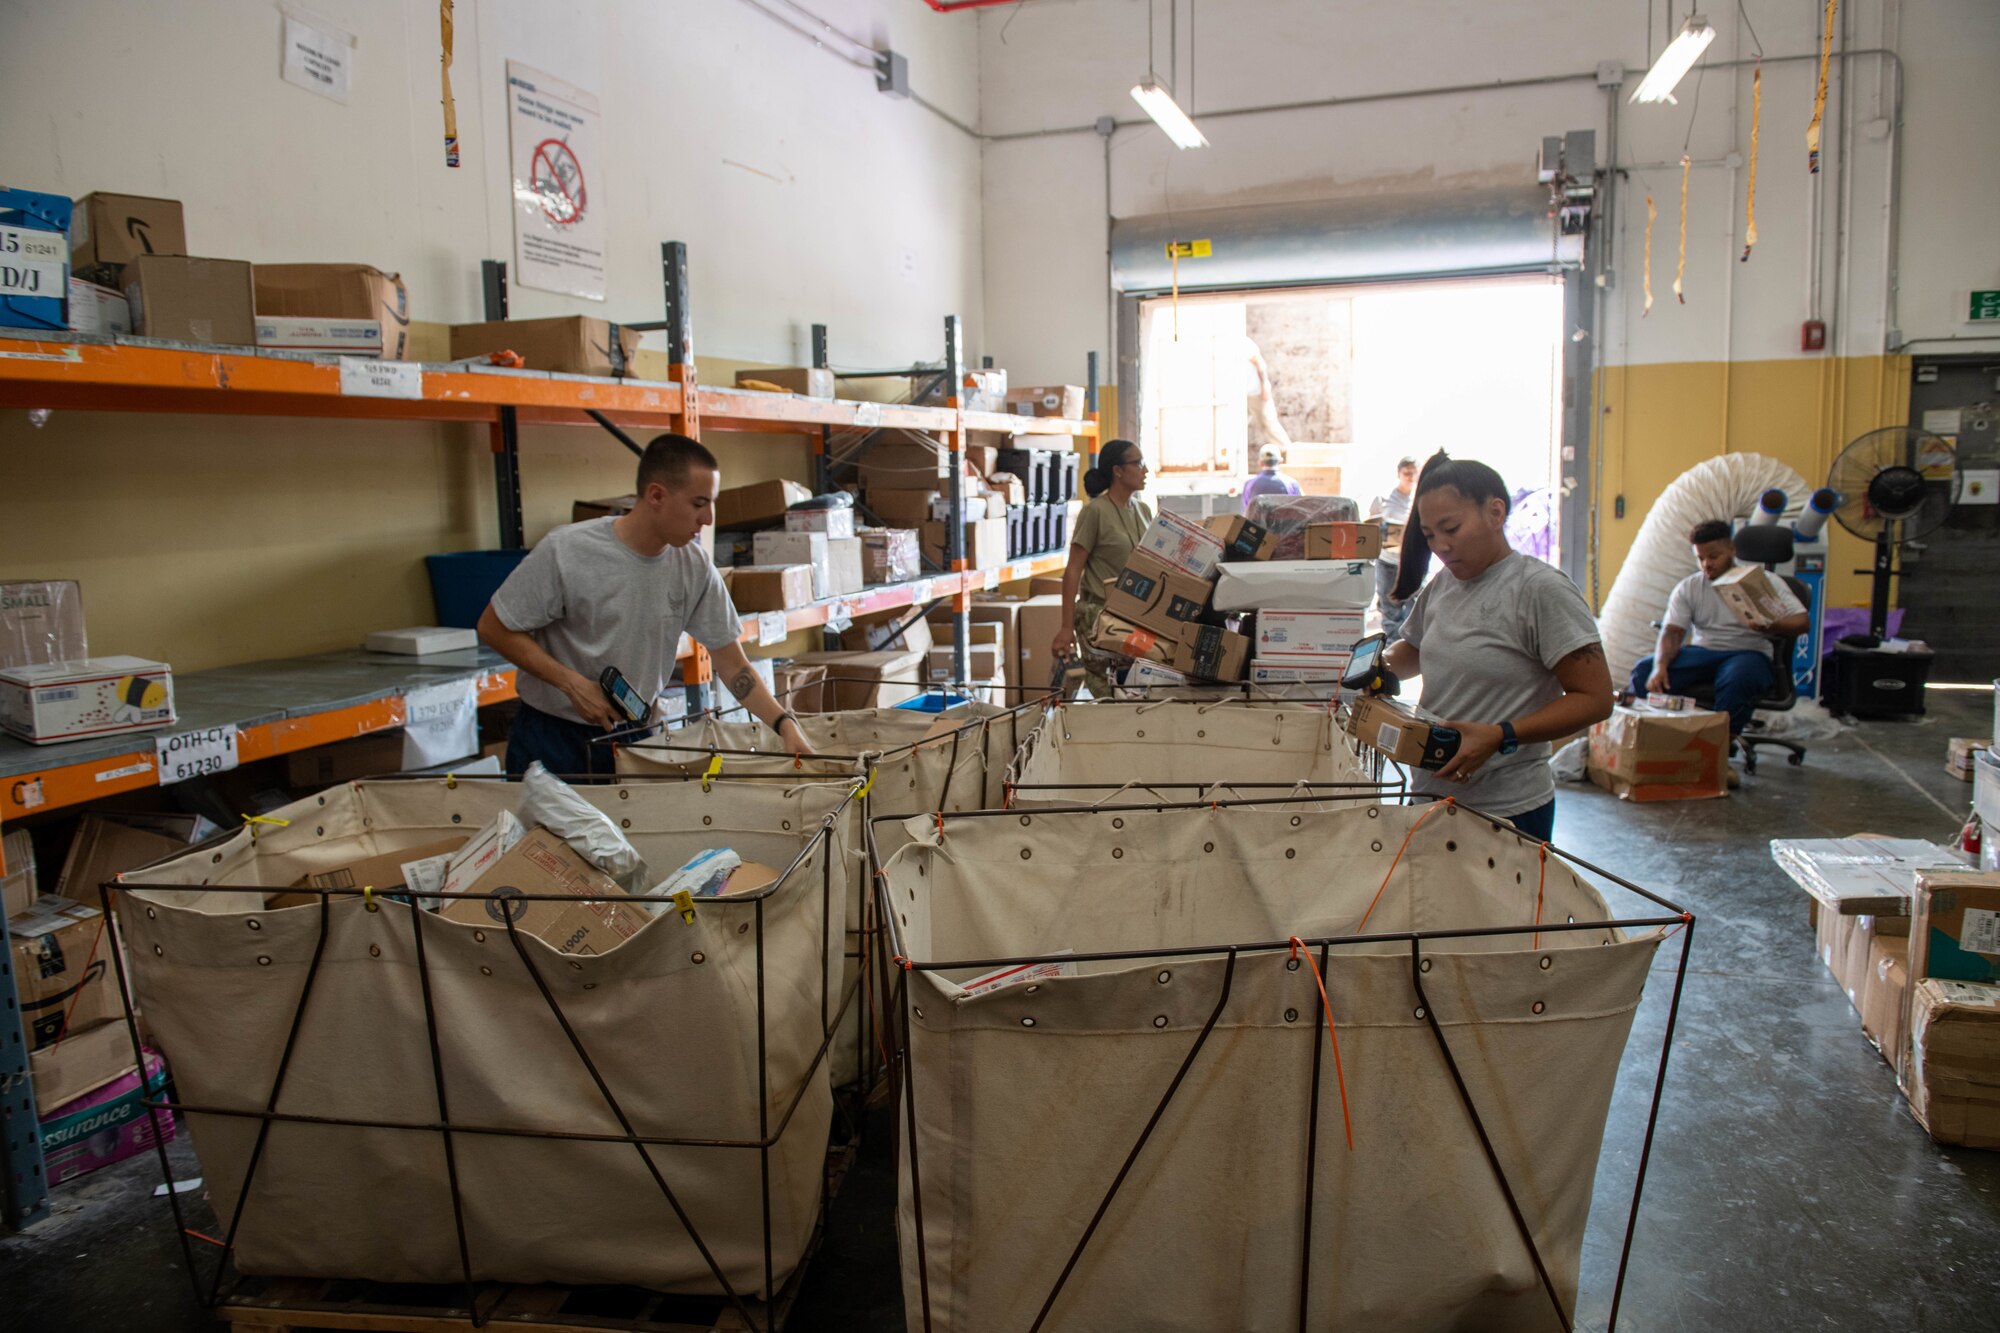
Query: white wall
[(796, 185), (1063, 63)]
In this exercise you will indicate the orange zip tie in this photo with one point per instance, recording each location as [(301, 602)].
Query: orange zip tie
[(1541, 882), (900, 961), (200, 1236), (1686, 917), (1435, 806), (1339, 1078)]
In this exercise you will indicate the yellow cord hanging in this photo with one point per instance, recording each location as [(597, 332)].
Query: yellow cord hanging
[(1680, 266), (1651, 213), (1174, 254), (1819, 97), (1750, 199)]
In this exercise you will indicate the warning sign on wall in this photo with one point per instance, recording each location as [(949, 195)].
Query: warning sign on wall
[(554, 136)]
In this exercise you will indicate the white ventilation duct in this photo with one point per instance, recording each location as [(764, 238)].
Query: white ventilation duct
[(1726, 488)]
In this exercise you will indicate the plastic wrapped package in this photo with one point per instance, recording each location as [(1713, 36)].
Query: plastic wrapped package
[(555, 805), (1288, 517)]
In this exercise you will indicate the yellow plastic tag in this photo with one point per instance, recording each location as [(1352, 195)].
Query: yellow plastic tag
[(684, 904), (254, 820), (866, 785), (1189, 249), (708, 777)]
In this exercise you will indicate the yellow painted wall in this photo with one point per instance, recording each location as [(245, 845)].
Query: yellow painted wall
[(205, 540), (1657, 421)]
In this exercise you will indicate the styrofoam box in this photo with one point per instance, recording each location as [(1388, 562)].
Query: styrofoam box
[(94, 696), (422, 640)]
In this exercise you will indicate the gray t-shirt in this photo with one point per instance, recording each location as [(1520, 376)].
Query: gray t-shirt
[(1392, 508), (591, 602), (1697, 606), (1488, 649)]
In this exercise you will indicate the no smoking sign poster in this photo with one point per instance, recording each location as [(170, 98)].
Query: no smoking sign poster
[(554, 137)]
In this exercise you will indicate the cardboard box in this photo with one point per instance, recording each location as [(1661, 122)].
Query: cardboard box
[(760, 505), (96, 696), (109, 845), (1036, 625), (41, 623), (339, 337), (1159, 598), (831, 523), (881, 631), (985, 543), (19, 882), (1954, 1069), (97, 309), (85, 1061), (34, 259), (385, 871), (1671, 703), (1642, 754), (1011, 489), (191, 300), (1751, 593), (1955, 927), (342, 295), (898, 461), (117, 228), (802, 689), (541, 862), (901, 508), (1241, 539), (63, 971), (345, 761), (1046, 400), (107, 1125), (845, 576), (1319, 633), (777, 547), (1153, 676), (769, 587), (1342, 541), (983, 662), (889, 555), (1962, 757), (809, 381), (1327, 669), (1210, 652), (611, 506), (1885, 999), (1323, 481), (1396, 730), (1124, 639), (869, 680), (1299, 585), (572, 344), (1175, 541)]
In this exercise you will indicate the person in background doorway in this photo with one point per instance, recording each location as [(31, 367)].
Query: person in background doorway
[(1506, 645), (1263, 403), (619, 592), (1393, 510), (1268, 480), (1725, 654), (1110, 526)]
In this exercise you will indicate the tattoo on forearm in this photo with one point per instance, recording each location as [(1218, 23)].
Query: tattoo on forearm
[(746, 681)]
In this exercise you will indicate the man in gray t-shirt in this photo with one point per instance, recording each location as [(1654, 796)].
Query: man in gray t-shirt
[(619, 592)]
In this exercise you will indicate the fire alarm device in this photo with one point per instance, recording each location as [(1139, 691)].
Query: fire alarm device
[(1812, 336)]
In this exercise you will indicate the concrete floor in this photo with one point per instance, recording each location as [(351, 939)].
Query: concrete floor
[(1789, 1189)]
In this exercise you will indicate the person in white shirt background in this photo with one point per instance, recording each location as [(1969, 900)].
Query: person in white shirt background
[(1723, 652), (1393, 508)]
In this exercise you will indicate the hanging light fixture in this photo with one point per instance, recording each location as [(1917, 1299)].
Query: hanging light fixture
[(1675, 61), (1159, 103)]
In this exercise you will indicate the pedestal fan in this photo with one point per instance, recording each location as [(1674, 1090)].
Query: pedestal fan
[(1896, 485)]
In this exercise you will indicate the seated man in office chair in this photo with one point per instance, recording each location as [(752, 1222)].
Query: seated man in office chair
[(1734, 660)]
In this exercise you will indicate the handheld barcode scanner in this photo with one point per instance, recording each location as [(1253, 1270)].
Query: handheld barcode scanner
[(1365, 672), (623, 697)]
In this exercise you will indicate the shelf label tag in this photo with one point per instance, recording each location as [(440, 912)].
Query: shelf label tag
[(34, 263), (381, 379), (440, 723), (770, 628), (868, 414), (990, 579), (192, 754), (1020, 572), (920, 591)]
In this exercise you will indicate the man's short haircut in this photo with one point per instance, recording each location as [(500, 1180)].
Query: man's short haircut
[(1714, 530), (1405, 461), (668, 458)]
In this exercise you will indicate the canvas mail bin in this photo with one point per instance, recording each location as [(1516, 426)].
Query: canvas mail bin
[(1022, 1104), (670, 1019)]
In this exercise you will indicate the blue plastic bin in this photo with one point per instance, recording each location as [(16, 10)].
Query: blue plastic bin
[(933, 701), (463, 582)]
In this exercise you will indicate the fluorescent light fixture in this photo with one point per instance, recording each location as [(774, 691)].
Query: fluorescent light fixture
[(1167, 114), (1675, 61)]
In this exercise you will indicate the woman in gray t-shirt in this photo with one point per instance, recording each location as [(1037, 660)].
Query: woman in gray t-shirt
[(1507, 647)]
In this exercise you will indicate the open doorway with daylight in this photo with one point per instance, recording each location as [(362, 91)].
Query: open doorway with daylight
[(1347, 380)]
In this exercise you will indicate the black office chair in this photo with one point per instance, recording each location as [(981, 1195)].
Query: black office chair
[(1769, 545)]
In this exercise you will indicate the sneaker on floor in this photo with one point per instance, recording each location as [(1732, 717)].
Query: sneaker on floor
[(1735, 778)]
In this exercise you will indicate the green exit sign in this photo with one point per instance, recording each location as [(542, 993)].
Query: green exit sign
[(1985, 307)]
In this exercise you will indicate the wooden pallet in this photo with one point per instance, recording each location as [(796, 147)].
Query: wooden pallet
[(285, 1304)]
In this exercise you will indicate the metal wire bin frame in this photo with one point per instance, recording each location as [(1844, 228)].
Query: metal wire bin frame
[(1423, 945), (777, 1107)]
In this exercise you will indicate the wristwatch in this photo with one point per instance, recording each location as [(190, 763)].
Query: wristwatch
[(1509, 742)]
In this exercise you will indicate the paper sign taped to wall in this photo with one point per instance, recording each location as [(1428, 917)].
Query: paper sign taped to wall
[(440, 723), (318, 57), (554, 134)]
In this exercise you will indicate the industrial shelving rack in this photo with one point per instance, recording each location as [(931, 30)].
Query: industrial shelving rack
[(83, 372)]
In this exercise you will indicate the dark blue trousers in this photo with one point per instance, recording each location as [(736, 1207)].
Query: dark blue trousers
[(1740, 679)]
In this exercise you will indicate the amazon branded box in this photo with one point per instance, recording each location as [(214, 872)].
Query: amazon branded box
[(184, 299), (335, 303), (1115, 635), (113, 229), (1162, 599), (1242, 539), (63, 971), (1647, 754), (1343, 541), (1210, 652), (572, 344)]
